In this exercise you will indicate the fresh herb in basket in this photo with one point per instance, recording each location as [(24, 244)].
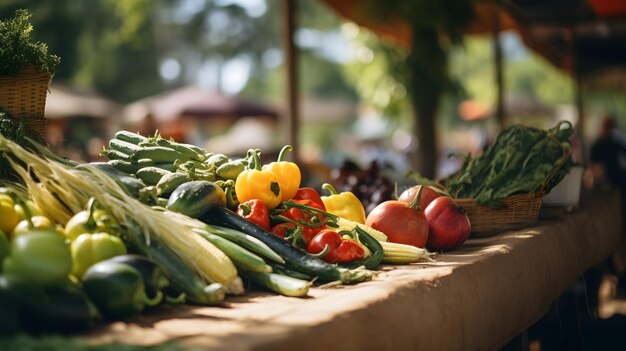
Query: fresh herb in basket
[(18, 50), (521, 160), (15, 131)]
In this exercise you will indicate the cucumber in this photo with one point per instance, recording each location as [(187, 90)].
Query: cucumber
[(230, 170), (170, 182), (281, 284), (151, 175), (217, 160), (196, 197), (130, 137), (183, 149), (124, 166), (159, 154), (112, 154), (295, 258), (123, 147)]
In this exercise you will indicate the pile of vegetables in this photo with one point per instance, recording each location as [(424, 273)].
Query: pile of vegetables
[(521, 160), (109, 234)]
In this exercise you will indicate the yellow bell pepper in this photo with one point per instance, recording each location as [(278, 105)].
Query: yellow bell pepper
[(345, 205), (288, 174), (255, 183)]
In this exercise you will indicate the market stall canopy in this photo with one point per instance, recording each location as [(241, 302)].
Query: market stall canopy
[(65, 101), (194, 102), (590, 34)]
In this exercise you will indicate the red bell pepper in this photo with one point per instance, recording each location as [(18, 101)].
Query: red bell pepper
[(255, 211), (339, 249)]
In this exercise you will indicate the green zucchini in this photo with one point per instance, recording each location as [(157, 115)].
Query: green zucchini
[(182, 277), (196, 197), (170, 182), (151, 175), (130, 137), (295, 258), (281, 284), (123, 147), (241, 257), (247, 241), (131, 185)]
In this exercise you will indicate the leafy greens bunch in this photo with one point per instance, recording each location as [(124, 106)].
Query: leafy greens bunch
[(521, 160), (17, 49)]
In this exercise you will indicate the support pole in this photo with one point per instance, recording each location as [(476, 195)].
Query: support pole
[(497, 58), (291, 59)]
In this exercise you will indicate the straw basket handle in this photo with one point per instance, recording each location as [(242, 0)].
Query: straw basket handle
[(567, 151)]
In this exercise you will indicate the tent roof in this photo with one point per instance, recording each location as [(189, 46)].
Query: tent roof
[(193, 101), (588, 34)]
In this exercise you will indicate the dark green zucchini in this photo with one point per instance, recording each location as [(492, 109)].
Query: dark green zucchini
[(195, 198), (131, 185), (295, 258)]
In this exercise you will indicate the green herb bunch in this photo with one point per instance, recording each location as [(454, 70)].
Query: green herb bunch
[(521, 160), (17, 49), (13, 130)]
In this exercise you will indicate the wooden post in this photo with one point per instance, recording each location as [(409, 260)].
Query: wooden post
[(497, 57), (291, 58)]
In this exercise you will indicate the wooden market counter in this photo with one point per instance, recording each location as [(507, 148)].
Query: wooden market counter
[(476, 298)]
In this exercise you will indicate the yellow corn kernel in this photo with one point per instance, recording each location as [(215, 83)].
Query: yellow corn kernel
[(403, 254)]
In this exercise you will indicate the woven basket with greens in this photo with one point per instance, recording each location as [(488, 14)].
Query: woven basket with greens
[(521, 160)]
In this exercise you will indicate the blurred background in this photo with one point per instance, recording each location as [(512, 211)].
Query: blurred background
[(214, 73)]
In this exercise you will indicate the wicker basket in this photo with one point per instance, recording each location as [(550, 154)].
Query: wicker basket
[(23, 97), (519, 210)]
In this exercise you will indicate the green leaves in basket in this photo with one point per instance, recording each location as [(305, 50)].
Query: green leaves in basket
[(17, 49), (521, 160), (15, 131)]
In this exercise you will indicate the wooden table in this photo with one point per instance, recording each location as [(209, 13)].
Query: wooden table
[(476, 298)]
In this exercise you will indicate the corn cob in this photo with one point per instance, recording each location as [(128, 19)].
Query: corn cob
[(346, 224), (211, 262), (402, 254)]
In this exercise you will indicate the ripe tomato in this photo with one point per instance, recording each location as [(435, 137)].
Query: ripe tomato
[(400, 222), (428, 195), (448, 224)]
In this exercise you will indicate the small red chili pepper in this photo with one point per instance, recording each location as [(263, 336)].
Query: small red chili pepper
[(339, 249), (255, 211)]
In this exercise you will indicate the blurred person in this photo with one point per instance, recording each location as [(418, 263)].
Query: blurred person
[(606, 153), (606, 156)]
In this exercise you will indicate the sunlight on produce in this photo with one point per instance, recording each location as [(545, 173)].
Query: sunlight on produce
[(312, 175)]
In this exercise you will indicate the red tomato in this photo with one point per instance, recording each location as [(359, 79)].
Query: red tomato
[(400, 222), (428, 195), (448, 224), (340, 250), (310, 194), (280, 229)]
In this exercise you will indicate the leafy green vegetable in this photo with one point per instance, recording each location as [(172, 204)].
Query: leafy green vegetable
[(17, 49), (521, 160)]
